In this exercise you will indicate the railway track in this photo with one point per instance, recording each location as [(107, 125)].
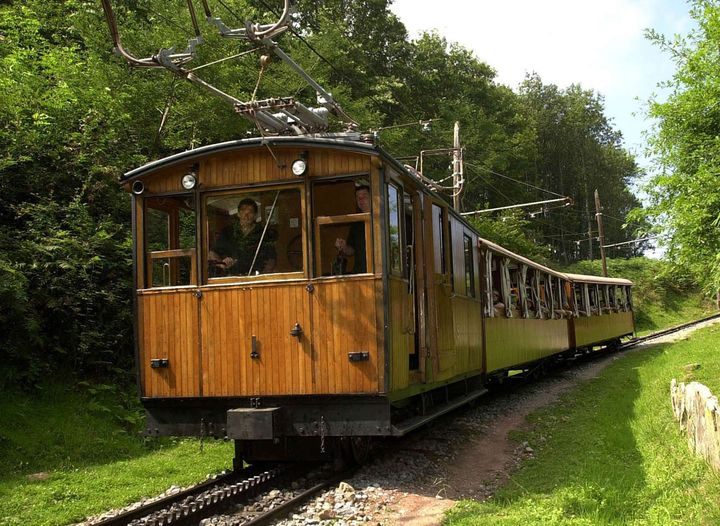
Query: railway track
[(254, 496), (636, 341)]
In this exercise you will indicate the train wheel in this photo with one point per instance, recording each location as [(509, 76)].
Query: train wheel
[(356, 450)]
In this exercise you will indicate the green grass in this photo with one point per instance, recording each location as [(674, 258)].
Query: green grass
[(86, 443), (610, 452)]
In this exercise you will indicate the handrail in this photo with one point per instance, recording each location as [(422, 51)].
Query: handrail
[(173, 254)]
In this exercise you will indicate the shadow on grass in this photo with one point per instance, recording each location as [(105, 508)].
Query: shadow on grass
[(59, 428), (590, 465)]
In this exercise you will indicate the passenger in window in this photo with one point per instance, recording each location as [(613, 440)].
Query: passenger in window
[(236, 251), (354, 245), (498, 305)]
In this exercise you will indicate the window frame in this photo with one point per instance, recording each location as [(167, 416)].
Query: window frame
[(146, 256), (273, 276)]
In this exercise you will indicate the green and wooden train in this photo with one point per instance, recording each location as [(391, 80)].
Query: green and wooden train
[(277, 308)]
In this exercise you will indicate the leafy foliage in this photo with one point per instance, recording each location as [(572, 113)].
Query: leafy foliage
[(685, 191)]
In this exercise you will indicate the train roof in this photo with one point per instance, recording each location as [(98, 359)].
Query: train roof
[(349, 142), (599, 280), (575, 278), (522, 259)]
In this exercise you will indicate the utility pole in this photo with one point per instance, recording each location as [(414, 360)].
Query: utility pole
[(457, 168), (601, 232), (587, 213)]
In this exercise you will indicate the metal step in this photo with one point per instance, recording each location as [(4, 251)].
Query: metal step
[(404, 427)]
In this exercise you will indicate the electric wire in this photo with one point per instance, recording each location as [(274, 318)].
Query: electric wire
[(515, 180)]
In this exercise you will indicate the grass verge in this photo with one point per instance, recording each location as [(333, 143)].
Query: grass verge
[(67, 454), (610, 452)]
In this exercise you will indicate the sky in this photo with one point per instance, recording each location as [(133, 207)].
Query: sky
[(599, 44)]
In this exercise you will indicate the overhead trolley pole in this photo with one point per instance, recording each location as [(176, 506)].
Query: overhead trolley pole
[(601, 232)]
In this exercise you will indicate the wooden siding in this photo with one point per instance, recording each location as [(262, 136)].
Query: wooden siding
[(517, 341), (254, 166), (230, 319), (402, 341), (168, 329), (346, 319), (596, 329), (317, 363), (467, 337)]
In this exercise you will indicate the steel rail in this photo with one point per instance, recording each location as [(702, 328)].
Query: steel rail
[(239, 483), (270, 515), (636, 341)]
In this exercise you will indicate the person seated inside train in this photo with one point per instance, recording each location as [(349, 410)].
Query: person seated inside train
[(530, 307), (354, 245), (243, 248), (498, 305), (566, 311)]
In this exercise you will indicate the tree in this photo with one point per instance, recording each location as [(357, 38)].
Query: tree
[(685, 190)]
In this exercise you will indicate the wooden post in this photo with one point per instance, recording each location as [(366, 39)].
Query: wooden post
[(601, 232)]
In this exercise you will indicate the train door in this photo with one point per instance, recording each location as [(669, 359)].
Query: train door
[(406, 304), (442, 284), (413, 249), (167, 304)]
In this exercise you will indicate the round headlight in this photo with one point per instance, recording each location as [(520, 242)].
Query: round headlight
[(299, 166), (138, 187), (188, 181)]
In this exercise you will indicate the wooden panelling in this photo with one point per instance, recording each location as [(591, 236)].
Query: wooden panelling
[(166, 180), (514, 341), (344, 321), (168, 329), (231, 317), (467, 338), (317, 363), (596, 329), (258, 166), (253, 166), (401, 332)]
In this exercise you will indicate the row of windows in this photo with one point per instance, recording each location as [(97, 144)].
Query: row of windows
[(516, 290), (256, 232)]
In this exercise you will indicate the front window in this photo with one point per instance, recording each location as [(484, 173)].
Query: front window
[(254, 233), (170, 257)]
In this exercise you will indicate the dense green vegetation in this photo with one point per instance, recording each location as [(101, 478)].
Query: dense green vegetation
[(611, 453), (66, 454), (74, 117), (685, 190)]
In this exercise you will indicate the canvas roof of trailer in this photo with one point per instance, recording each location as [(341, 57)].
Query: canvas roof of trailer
[(599, 280), (525, 261)]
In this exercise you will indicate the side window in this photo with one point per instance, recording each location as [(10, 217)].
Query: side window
[(254, 233), (170, 237), (342, 227), (395, 256), (469, 265), (439, 238)]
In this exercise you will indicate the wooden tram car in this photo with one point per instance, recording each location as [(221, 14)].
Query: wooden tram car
[(307, 354)]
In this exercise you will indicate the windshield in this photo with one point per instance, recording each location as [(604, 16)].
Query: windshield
[(254, 232)]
